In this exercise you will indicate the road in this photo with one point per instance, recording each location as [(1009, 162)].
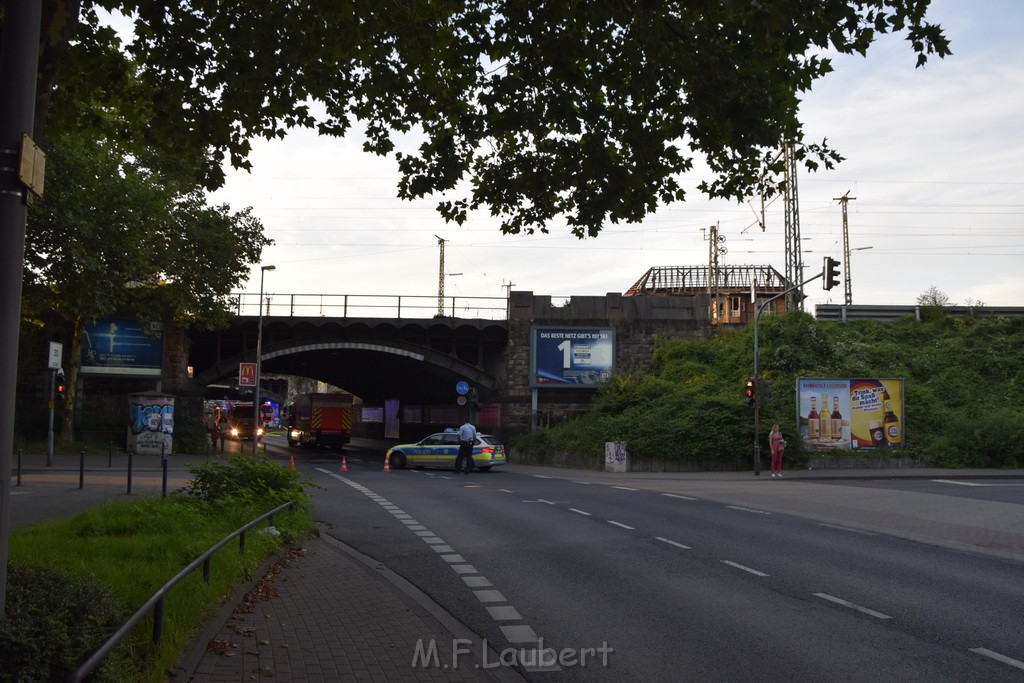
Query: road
[(606, 582)]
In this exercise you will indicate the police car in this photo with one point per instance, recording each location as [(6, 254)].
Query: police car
[(441, 450)]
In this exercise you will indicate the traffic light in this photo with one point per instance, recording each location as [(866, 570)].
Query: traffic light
[(748, 392), (831, 273), (59, 386)]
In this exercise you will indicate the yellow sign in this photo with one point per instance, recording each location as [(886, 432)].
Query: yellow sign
[(31, 166)]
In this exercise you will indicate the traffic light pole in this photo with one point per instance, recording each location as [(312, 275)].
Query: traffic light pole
[(49, 431), (757, 371)]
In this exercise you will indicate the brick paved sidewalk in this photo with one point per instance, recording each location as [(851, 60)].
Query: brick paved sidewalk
[(329, 617)]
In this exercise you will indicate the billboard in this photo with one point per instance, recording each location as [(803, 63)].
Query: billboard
[(121, 347), (853, 414), (571, 357)]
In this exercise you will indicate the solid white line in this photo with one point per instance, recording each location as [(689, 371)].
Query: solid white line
[(958, 483), (746, 569), (737, 507), (541, 476), (585, 483), (846, 528), (625, 488), (845, 603), (620, 524), (678, 545), (676, 495), (998, 657)]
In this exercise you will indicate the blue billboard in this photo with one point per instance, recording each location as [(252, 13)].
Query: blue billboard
[(121, 347), (571, 357)]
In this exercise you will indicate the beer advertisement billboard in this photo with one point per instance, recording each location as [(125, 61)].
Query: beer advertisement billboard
[(851, 414)]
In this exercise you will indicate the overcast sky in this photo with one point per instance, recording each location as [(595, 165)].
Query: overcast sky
[(935, 160)]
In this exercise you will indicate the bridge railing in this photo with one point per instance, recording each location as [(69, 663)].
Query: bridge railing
[(370, 306)]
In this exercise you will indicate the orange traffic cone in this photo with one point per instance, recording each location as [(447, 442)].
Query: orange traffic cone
[(344, 465), (387, 466), (291, 462)]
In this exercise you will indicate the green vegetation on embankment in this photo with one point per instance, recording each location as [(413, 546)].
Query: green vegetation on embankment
[(963, 380)]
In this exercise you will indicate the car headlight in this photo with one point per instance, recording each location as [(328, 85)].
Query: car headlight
[(295, 433), (259, 431)]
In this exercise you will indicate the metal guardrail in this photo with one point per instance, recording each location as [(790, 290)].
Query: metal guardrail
[(370, 306), (156, 601), (844, 313)]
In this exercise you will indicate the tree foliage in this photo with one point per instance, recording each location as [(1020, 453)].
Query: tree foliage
[(587, 109)]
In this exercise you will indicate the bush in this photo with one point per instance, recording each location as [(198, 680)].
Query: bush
[(252, 480), (53, 622)]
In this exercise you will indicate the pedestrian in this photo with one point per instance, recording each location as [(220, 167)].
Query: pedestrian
[(214, 436), (467, 436), (223, 431), (778, 444)]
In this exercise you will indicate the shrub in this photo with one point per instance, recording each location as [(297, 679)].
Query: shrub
[(252, 480), (53, 622)]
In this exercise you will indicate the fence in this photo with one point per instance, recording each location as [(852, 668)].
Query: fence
[(370, 306), (888, 313), (156, 602)]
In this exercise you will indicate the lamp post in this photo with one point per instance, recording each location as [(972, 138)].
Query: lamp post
[(259, 363)]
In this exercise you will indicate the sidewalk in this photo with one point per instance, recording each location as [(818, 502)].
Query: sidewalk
[(298, 626)]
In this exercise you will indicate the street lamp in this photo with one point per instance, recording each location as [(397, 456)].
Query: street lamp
[(259, 363)]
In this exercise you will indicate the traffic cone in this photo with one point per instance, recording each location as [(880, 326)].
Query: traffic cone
[(291, 462), (344, 465), (387, 466)]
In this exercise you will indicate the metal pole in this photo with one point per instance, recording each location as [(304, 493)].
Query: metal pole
[(131, 455), (19, 55), (49, 430), (81, 469), (19, 467), (259, 362)]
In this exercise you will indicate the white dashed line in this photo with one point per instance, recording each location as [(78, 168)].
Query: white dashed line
[(504, 613), (676, 495), (744, 568), (519, 634), (541, 476), (454, 557), (742, 509), (505, 491), (464, 569), (579, 512), (585, 483), (678, 545), (489, 596), (846, 603), (958, 483), (477, 581), (624, 526), (624, 488), (998, 657)]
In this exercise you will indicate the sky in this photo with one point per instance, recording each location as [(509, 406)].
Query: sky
[(934, 169)]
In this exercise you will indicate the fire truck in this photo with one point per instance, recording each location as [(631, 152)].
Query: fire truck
[(320, 420)]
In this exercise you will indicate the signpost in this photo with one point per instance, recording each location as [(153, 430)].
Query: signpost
[(53, 363), (246, 374)]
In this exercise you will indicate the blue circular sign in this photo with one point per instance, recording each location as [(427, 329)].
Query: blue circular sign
[(462, 388)]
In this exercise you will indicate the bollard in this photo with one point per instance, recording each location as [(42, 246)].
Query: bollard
[(19, 467), (110, 454), (163, 490), (81, 469), (131, 454)]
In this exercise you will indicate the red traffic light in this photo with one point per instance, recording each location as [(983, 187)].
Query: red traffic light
[(748, 392)]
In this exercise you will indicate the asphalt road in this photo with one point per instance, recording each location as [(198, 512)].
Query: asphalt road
[(677, 587)]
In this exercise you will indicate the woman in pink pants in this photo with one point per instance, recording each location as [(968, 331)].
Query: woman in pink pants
[(778, 443)]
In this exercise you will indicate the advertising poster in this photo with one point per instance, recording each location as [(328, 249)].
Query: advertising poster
[(853, 414), (571, 357), (120, 347)]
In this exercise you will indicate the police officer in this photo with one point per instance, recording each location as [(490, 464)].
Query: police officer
[(467, 436)]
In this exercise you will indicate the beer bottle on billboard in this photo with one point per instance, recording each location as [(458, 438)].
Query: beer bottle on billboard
[(825, 421), (812, 420), (890, 422), (837, 420)]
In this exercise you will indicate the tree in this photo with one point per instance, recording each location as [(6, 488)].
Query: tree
[(933, 296), (587, 109), (110, 235)]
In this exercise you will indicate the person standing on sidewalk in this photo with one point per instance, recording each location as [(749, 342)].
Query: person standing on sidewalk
[(778, 444), (467, 435)]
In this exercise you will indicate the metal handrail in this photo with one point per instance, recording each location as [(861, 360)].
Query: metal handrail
[(368, 305), (156, 601)]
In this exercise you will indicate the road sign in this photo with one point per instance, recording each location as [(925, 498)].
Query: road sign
[(56, 353), (246, 374), (461, 400), (462, 388)]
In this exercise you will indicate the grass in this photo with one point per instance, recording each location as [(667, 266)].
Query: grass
[(131, 549)]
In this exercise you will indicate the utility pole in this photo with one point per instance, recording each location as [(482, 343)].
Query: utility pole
[(440, 280), (794, 253), (847, 281), (714, 251)]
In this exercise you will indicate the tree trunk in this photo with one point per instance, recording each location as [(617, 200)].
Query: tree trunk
[(67, 423)]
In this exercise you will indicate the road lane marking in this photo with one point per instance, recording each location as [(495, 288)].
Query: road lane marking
[(676, 495), (624, 526), (477, 581), (505, 491), (464, 569), (453, 557), (585, 483), (756, 512), (744, 568), (624, 488), (489, 596), (846, 603), (549, 502), (678, 545), (541, 476), (958, 483), (998, 657), (579, 512), (846, 528), (504, 613), (519, 634)]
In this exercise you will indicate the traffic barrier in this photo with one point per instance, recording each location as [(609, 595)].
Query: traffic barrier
[(344, 465), (387, 466), (291, 462)]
